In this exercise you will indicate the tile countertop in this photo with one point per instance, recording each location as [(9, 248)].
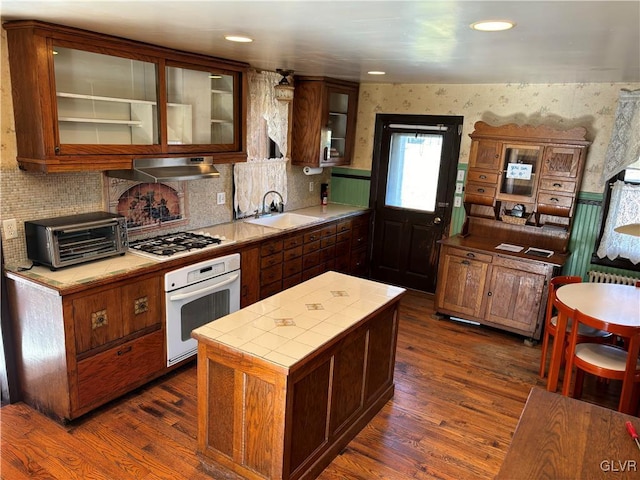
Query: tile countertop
[(286, 327), (86, 273)]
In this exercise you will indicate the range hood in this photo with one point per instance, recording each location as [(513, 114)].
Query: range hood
[(154, 170)]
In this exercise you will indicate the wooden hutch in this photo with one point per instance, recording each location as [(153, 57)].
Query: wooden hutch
[(520, 195)]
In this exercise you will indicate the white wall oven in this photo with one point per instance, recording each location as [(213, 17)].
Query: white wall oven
[(196, 295)]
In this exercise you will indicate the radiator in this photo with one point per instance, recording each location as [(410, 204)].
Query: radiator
[(603, 277)]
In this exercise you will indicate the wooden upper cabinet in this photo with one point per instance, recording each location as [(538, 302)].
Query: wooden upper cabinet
[(324, 121), (87, 101)]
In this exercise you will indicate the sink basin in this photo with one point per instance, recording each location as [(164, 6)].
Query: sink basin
[(283, 221)]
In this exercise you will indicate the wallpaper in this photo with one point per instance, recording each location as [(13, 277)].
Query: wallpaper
[(561, 106)]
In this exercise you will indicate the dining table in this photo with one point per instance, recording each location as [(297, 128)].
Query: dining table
[(612, 303)]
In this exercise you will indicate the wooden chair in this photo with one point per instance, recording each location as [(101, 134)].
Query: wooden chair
[(551, 319), (605, 360)]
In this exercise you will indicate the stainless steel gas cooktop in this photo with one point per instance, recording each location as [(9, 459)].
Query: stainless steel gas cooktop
[(173, 245)]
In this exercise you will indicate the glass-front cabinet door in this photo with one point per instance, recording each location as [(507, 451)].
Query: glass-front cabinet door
[(521, 165), (202, 109), (105, 99)]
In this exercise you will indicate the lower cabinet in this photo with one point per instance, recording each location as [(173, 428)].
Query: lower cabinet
[(99, 344), (493, 289), (292, 258), (264, 421)]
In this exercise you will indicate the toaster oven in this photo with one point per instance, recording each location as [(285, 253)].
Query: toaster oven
[(63, 241)]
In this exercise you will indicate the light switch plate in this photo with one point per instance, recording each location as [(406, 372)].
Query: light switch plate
[(460, 177), (459, 187), (222, 198), (457, 201)]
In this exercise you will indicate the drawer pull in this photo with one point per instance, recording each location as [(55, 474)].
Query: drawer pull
[(141, 305), (481, 190), (465, 262), (483, 177), (99, 319), (554, 199), (124, 350), (471, 255), (557, 185), (312, 238)]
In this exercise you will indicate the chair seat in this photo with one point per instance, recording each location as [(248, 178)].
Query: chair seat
[(583, 330), (604, 356)]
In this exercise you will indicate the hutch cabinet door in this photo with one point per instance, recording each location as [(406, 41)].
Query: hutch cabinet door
[(515, 295), (462, 282), (485, 154)]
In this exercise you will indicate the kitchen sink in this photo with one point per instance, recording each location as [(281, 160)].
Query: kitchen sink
[(283, 221)]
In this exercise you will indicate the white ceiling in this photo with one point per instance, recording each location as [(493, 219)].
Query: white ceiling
[(413, 41)]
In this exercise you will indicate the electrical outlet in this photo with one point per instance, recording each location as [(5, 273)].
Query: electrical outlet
[(311, 186), (222, 198), (10, 228), (460, 176), (459, 187), (457, 201)]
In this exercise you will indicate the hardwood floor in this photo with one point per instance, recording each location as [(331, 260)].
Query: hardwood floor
[(460, 390)]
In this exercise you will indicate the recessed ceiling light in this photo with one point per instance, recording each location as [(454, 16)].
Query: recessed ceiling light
[(376, 72), (238, 38), (493, 25)]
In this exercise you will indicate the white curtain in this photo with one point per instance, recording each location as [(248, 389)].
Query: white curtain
[(267, 118), (624, 146), (624, 209)]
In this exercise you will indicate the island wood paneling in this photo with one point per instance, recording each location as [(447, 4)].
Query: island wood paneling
[(460, 390)]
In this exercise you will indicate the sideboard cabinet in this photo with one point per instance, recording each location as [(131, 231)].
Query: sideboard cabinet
[(87, 101), (324, 121), (521, 191)]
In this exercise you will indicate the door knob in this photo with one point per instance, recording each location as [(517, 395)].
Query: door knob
[(437, 221)]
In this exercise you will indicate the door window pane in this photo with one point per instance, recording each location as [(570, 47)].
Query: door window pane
[(414, 167)]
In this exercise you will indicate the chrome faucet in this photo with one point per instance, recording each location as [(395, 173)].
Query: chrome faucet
[(264, 199)]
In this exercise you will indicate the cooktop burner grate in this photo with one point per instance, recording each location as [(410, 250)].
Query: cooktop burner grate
[(174, 243)]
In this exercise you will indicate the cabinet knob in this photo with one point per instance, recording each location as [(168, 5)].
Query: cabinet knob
[(489, 294), (437, 221)]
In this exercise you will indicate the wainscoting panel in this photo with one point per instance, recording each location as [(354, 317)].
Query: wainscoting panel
[(350, 186)]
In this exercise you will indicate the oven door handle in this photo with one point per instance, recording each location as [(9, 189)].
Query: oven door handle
[(195, 293)]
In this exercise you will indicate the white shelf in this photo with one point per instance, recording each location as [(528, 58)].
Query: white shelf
[(131, 123), (103, 99)]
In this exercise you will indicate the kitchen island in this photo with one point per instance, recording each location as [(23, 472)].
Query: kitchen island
[(285, 383)]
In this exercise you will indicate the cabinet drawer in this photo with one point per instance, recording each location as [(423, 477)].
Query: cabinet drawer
[(312, 272), (270, 260), (311, 247), (343, 236), (358, 261), (311, 260), (327, 254), (291, 281), (480, 190), (557, 185), (271, 274), (555, 200), (328, 241), (269, 248), (478, 176), (292, 253), (328, 231), (292, 266), (342, 248), (293, 242), (271, 289), (343, 226), (312, 236), (342, 263), (108, 374), (483, 257)]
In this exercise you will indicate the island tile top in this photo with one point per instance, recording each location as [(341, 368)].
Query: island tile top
[(288, 326)]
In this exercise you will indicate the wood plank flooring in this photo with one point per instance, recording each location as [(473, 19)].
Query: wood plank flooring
[(460, 390)]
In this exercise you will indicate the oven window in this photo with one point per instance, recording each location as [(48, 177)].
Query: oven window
[(202, 311)]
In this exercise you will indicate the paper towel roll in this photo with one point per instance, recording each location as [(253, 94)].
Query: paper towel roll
[(312, 171)]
